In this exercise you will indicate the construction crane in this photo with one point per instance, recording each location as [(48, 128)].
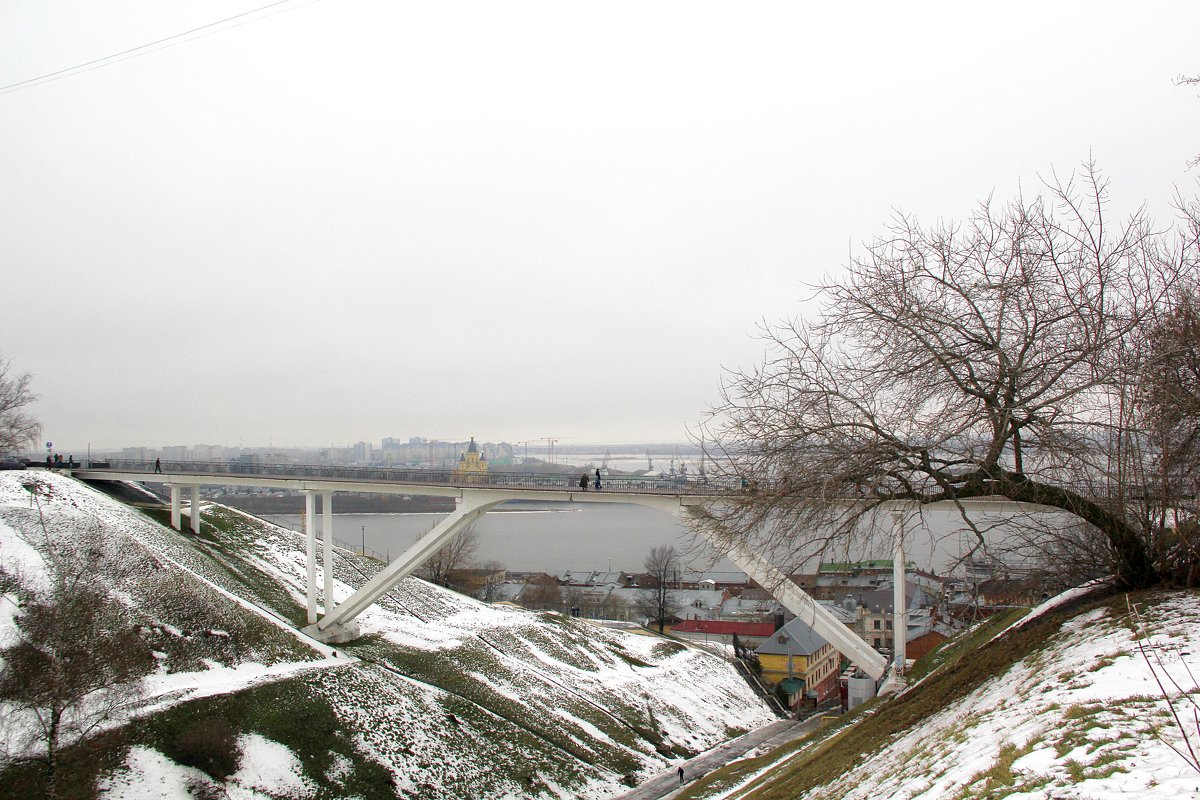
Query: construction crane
[(550, 441)]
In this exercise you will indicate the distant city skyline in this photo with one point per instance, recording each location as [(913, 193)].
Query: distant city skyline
[(658, 447), (512, 220), (425, 450)]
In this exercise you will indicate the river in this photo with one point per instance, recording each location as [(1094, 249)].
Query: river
[(581, 537), (546, 537)]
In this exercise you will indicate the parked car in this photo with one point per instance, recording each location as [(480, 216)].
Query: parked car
[(13, 463)]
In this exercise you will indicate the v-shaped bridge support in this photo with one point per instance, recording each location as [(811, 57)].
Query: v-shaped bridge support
[(338, 624)]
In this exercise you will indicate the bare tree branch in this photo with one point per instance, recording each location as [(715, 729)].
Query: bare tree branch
[(994, 357), (456, 554), (17, 427), (656, 600)]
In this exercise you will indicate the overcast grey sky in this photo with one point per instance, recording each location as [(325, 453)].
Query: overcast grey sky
[(511, 220)]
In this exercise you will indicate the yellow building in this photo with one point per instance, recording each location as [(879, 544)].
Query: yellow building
[(797, 657), (472, 466)]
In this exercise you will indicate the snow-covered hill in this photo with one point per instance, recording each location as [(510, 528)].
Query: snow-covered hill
[(1087, 697), (442, 697)]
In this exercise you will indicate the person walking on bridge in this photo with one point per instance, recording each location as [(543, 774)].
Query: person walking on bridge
[(597, 481), (583, 481), (158, 465)]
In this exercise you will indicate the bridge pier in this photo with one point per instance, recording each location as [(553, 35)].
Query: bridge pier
[(899, 595), (177, 507), (310, 535), (327, 555), (336, 626), (196, 508)]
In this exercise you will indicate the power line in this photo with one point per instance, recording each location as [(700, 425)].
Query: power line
[(149, 47)]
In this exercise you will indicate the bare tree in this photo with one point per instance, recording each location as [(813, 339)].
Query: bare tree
[(17, 427), (74, 667), (1169, 413), (491, 585), (573, 600), (1172, 394), (542, 593), (990, 358), (613, 607), (78, 656), (657, 599), (456, 554)]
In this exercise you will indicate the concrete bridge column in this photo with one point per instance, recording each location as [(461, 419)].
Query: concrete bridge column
[(196, 508), (899, 594), (310, 531), (176, 507), (327, 538)]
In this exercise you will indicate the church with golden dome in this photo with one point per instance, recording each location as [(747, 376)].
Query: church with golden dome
[(472, 467)]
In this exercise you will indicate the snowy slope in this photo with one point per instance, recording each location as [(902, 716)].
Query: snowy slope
[(209, 639), (1087, 714), (452, 697), (1091, 713)]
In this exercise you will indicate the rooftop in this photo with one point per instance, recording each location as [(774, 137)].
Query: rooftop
[(794, 639)]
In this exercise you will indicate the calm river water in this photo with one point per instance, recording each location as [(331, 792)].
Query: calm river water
[(549, 537)]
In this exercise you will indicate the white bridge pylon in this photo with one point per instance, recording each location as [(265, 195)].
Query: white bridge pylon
[(337, 624)]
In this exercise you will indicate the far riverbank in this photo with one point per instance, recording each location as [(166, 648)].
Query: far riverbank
[(345, 503)]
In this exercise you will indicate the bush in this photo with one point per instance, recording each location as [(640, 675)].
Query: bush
[(208, 744)]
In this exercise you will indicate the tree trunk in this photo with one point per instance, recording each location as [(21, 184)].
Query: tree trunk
[(51, 772), (1131, 559)]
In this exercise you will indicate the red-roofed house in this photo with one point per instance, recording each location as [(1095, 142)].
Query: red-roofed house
[(750, 634)]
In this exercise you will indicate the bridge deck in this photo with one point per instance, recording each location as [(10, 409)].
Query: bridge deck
[(438, 481)]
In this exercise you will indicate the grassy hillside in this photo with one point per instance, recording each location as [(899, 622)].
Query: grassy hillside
[(1079, 701), (441, 697)]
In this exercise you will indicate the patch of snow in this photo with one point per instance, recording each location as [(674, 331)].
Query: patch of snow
[(167, 689), (271, 768), (149, 775), (21, 560)]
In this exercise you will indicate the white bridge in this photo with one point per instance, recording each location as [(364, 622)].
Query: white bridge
[(474, 496)]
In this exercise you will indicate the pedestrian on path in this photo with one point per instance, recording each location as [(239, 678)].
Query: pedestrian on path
[(583, 481), (158, 465), (681, 776), (597, 482)]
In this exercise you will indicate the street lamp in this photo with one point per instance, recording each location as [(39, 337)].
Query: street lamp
[(364, 540)]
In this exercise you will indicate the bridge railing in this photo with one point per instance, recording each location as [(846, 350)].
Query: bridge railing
[(638, 484)]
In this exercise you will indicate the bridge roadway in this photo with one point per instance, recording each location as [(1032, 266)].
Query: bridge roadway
[(406, 479), (474, 496)]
